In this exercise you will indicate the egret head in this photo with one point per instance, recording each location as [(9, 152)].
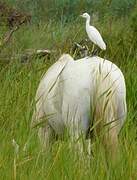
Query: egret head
[(85, 15)]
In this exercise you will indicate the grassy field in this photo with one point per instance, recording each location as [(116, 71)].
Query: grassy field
[(18, 84)]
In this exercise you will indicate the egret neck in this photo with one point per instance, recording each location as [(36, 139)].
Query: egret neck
[(87, 22)]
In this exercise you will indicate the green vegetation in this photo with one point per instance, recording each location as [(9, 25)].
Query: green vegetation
[(57, 26)]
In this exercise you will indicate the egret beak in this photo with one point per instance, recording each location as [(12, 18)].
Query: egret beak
[(81, 15)]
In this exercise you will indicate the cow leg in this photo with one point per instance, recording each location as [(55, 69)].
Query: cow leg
[(47, 137), (119, 115), (110, 141)]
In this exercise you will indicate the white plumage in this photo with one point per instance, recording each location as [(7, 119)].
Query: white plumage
[(93, 33), (71, 91)]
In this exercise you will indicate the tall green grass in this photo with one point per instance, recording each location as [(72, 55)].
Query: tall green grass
[(18, 84)]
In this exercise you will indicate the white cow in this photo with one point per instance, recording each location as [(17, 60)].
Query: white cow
[(78, 95)]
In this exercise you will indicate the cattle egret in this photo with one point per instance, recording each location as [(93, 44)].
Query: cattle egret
[(75, 95), (93, 33)]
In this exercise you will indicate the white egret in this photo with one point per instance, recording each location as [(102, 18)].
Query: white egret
[(93, 33), (78, 94)]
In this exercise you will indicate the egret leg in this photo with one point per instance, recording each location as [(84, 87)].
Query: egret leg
[(94, 51), (93, 47)]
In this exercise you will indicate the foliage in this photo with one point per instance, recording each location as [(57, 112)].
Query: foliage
[(133, 25), (68, 9), (11, 17)]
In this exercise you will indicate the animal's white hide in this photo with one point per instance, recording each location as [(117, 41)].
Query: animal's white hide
[(75, 94)]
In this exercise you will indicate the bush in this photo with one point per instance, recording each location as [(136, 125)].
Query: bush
[(68, 9)]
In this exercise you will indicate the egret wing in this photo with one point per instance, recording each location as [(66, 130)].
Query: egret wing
[(95, 36)]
